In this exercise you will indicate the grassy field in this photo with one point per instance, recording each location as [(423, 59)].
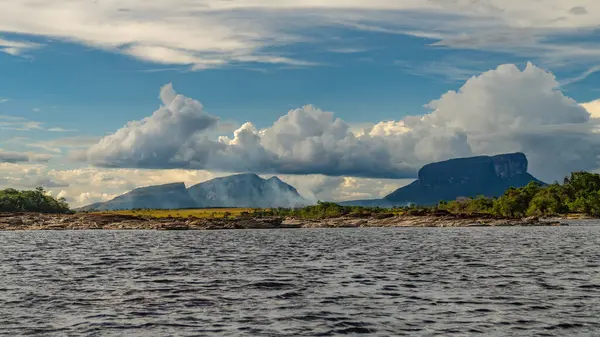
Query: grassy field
[(183, 213)]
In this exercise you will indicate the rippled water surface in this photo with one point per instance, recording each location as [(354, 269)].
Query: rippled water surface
[(379, 282)]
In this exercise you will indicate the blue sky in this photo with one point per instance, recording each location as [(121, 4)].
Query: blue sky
[(74, 72)]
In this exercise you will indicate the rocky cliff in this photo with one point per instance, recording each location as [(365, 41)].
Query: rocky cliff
[(465, 177), (242, 190), (246, 190), (470, 170), (169, 196)]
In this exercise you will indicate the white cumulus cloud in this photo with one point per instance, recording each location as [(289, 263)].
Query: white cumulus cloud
[(502, 110), (593, 108)]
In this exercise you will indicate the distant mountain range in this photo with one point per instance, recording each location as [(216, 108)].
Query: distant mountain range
[(240, 190), (461, 177), (447, 180)]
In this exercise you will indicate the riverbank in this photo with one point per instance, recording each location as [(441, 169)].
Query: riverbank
[(107, 221)]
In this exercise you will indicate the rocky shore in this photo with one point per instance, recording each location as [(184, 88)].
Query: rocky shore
[(91, 221)]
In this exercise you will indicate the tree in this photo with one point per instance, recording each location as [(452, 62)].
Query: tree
[(548, 201)]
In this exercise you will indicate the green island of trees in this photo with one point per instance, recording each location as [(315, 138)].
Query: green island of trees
[(37, 200)]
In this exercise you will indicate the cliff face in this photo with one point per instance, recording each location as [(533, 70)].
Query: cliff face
[(465, 177), (242, 190), (476, 169), (246, 190), (169, 196)]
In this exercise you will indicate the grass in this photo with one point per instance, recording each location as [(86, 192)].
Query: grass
[(183, 213)]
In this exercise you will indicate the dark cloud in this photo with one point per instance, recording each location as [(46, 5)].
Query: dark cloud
[(13, 157), (579, 10)]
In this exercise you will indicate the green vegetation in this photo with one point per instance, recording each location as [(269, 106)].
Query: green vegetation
[(201, 213), (580, 193), (322, 210), (37, 200)]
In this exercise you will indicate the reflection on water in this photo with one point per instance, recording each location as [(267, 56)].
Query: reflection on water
[(380, 282)]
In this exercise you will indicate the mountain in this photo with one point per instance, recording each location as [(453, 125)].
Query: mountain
[(242, 190), (169, 196), (246, 190), (461, 177)]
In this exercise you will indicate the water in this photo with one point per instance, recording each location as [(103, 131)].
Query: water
[(378, 282)]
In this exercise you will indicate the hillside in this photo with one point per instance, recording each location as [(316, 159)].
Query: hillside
[(242, 190), (246, 190), (461, 177), (169, 196)]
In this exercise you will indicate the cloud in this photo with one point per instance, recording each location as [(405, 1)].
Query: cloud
[(56, 145), (502, 110), (3, 100), (593, 108), (48, 183), (450, 71), (13, 157), (581, 77), (305, 141), (16, 123), (17, 48), (319, 187), (212, 33), (61, 130), (19, 157), (347, 50), (149, 142), (579, 10)]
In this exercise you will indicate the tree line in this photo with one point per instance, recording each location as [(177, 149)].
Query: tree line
[(579, 193), (38, 200)]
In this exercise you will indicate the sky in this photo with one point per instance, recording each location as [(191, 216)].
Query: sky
[(344, 99)]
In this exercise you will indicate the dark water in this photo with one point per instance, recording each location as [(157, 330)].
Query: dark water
[(378, 282)]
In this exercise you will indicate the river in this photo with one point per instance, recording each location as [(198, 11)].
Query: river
[(518, 281)]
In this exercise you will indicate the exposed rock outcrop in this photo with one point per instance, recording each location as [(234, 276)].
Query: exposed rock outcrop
[(461, 177), (465, 177), (91, 221)]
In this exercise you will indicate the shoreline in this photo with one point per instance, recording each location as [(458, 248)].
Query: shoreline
[(108, 221)]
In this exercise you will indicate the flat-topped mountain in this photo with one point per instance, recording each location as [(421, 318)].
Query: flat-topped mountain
[(241, 190), (461, 177)]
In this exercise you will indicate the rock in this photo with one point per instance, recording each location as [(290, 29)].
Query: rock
[(169, 196), (174, 226), (462, 177), (125, 222), (531, 220), (246, 191)]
